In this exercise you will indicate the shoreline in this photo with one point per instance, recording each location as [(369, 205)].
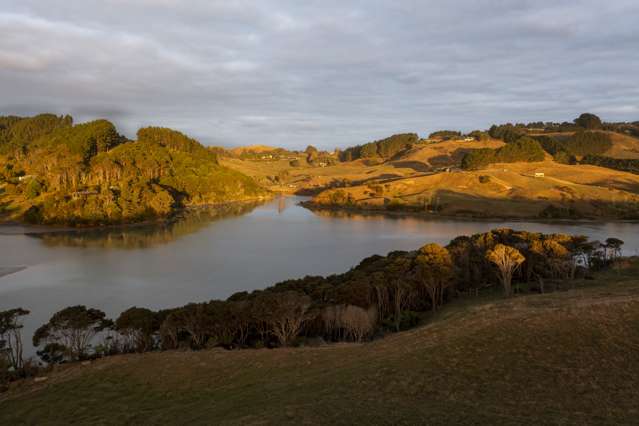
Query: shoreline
[(310, 205), (19, 228), (8, 270)]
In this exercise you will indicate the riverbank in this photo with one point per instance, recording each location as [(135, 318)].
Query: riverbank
[(561, 358), (13, 227), (431, 215), (8, 270)]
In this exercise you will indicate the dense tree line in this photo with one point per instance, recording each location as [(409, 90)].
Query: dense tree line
[(445, 134), (622, 164), (384, 148), (88, 174), (17, 132), (524, 149), (381, 294), (630, 129), (579, 144), (511, 132)]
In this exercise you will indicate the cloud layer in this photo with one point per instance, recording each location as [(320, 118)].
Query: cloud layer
[(328, 73)]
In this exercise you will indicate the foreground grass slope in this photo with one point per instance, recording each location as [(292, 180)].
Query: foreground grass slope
[(569, 357)]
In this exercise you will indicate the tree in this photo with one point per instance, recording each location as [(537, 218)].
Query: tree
[(435, 271), (400, 290), (137, 326), (588, 121), (10, 336), (73, 328), (613, 245), (286, 313), (507, 259)]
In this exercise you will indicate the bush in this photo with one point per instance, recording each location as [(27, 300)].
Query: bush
[(33, 189), (564, 158)]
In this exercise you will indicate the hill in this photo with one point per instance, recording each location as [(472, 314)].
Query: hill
[(623, 146), (568, 357), (88, 174), (517, 190), (443, 154), (304, 178), (252, 148)]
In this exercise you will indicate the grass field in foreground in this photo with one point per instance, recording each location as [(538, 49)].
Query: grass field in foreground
[(569, 357)]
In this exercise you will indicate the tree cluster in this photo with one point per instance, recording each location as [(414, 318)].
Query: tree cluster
[(622, 164), (384, 148), (524, 149), (445, 135)]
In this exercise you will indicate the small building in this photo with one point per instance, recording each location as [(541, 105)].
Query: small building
[(539, 174)]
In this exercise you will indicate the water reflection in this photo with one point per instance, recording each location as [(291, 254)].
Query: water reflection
[(213, 253), (143, 236)]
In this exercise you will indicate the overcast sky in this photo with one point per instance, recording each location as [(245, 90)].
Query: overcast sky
[(328, 73)]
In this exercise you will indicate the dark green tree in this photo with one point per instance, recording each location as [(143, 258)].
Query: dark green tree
[(74, 329)]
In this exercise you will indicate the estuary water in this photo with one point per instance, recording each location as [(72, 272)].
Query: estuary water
[(212, 253)]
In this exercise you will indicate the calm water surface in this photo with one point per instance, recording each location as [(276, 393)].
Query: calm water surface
[(214, 253)]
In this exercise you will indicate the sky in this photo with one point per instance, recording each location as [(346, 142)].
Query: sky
[(327, 73)]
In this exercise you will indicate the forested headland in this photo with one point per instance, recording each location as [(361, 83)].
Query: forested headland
[(55, 172)]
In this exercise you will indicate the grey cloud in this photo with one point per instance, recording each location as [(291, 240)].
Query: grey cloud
[(330, 73)]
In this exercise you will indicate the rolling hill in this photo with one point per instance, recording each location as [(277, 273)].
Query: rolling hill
[(518, 190)]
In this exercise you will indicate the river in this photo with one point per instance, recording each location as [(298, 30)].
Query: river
[(212, 253)]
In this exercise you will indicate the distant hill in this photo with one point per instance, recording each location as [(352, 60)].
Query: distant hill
[(443, 154), (253, 148), (516, 190), (88, 174), (623, 146)]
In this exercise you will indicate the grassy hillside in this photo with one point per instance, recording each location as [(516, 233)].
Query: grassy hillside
[(280, 175), (501, 190), (443, 154), (624, 146), (570, 357)]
